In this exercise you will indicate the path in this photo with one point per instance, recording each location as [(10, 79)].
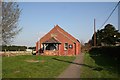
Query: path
[(73, 71)]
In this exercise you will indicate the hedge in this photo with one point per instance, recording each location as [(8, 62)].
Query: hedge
[(109, 51), (14, 48)]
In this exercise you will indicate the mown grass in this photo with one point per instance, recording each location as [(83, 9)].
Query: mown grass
[(47, 67), (101, 67)]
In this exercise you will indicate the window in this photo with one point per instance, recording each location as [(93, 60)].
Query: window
[(65, 46), (70, 46)]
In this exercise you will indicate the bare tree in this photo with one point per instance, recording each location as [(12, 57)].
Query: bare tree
[(10, 16), (0, 24), (82, 42)]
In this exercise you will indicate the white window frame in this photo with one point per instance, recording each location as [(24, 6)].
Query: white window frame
[(65, 46)]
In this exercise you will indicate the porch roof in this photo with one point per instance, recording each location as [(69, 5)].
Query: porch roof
[(52, 40)]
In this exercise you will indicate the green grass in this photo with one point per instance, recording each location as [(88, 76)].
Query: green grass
[(108, 68), (47, 67)]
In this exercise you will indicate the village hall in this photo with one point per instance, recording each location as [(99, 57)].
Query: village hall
[(58, 42)]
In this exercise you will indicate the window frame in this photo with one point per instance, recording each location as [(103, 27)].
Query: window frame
[(66, 46), (71, 46)]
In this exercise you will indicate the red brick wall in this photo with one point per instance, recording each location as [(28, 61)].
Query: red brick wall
[(63, 39), (36, 46)]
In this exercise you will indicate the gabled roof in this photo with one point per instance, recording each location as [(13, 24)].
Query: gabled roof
[(67, 35), (63, 32), (51, 40)]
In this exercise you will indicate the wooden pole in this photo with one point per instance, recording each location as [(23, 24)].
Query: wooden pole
[(94, 32), (38, 47)]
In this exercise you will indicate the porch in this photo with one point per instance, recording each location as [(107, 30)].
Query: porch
[(51, 47)]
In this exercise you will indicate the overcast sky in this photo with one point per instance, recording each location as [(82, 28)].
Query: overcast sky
[(38, 18)]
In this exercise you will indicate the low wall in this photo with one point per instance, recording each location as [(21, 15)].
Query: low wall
[(50, 53)]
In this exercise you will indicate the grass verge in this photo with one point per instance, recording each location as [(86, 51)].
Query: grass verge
[(28, 66), (108, 70)]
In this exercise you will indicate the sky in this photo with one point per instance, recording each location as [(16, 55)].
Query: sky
[(77, 18)]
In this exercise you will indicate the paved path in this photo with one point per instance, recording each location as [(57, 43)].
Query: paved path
[(73, 71)]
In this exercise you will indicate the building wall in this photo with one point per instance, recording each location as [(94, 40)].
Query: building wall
[(37, 47), (63, 39)]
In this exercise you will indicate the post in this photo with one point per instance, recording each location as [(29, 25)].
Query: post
[(94, 33), (119, 16), (38, 46)]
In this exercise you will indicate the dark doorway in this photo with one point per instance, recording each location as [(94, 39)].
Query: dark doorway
[(75, 48), (51, 47)]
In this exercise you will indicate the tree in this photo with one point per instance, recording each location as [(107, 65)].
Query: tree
[(108, 36), (10, 16)]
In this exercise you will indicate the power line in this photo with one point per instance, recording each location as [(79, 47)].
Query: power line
[(110, 14)]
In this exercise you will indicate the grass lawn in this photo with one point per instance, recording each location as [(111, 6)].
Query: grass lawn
[(101, 67), (25, 67)]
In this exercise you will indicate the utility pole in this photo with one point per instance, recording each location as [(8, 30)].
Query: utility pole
[(38, 46), (119, 17), (94, 32)]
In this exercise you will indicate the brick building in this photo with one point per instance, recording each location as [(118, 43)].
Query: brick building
[(58, 42)]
